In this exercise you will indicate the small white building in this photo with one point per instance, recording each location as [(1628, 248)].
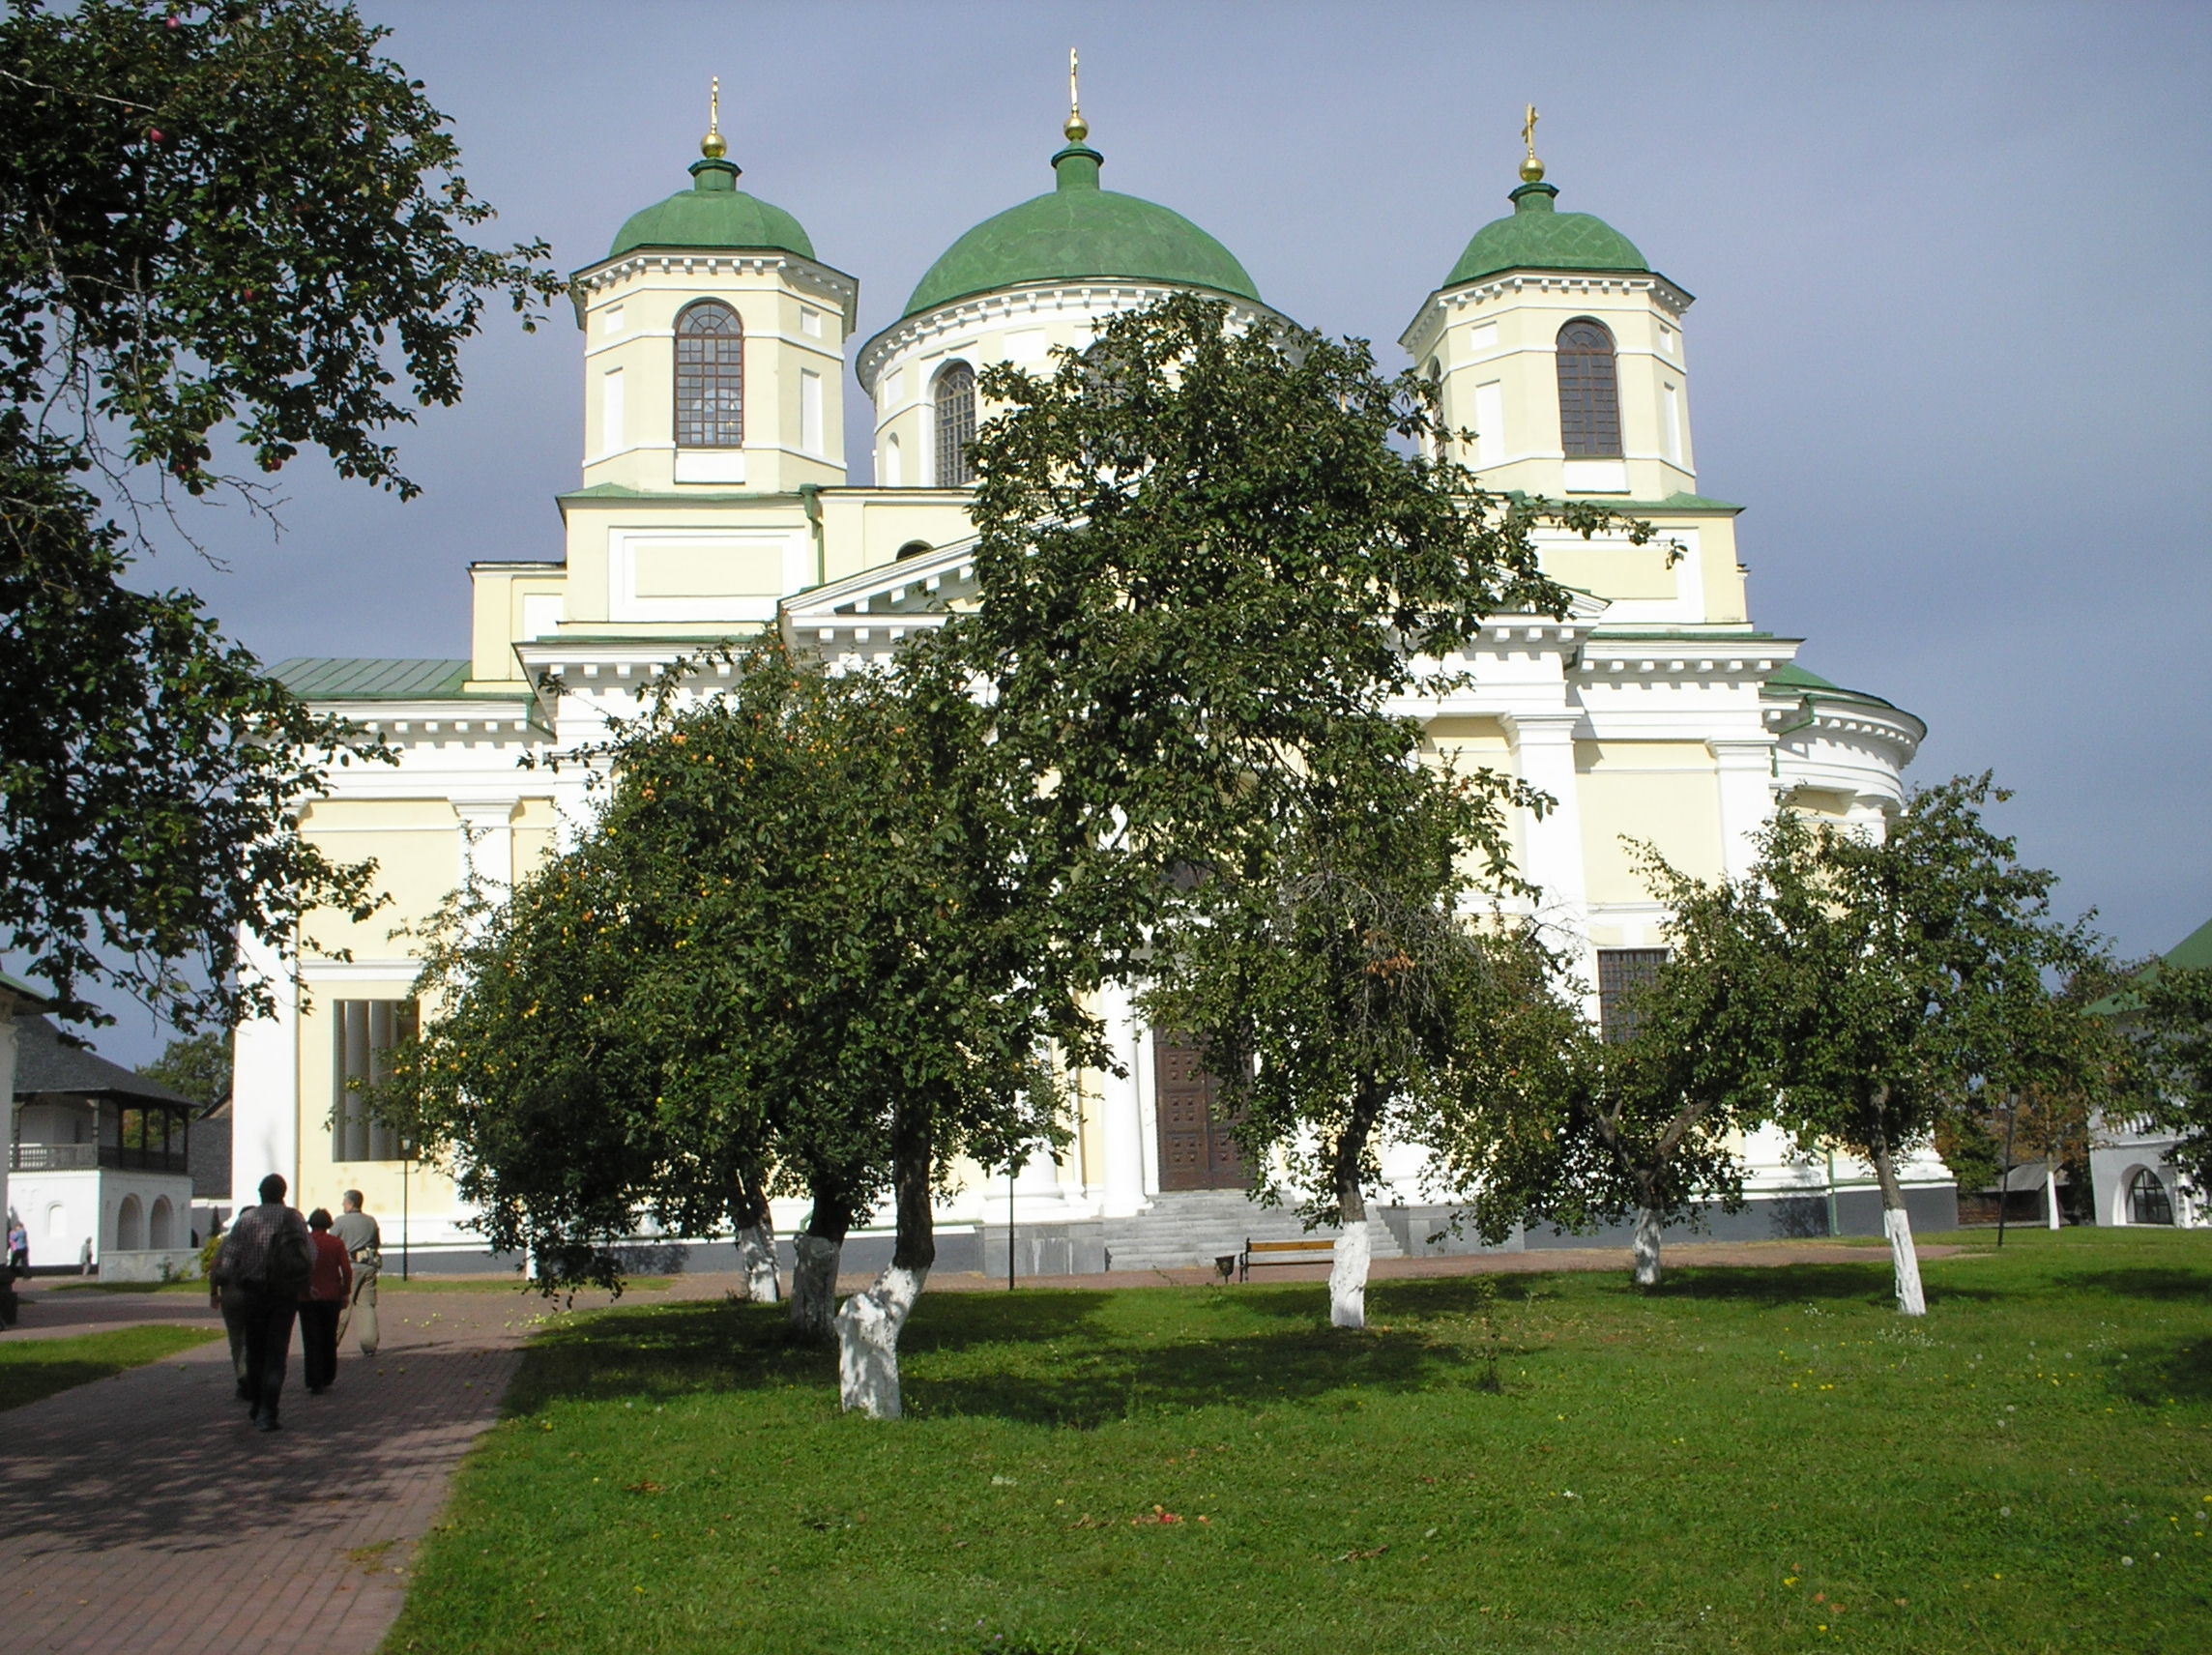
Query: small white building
[(2131, 1164), (98, 1154)]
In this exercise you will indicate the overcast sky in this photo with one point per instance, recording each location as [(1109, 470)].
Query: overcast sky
[(1949, 346)]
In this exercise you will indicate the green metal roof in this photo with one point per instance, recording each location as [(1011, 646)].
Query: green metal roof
[(1078, 231), (713, 213), (1791, 678), (344, 678), (1537, 237), (2193, 952)]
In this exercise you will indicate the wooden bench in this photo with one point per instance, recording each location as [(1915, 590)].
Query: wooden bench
[(1306, 1250)]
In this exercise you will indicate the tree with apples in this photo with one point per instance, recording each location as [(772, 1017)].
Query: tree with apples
[(231, 227), (1918, 967)]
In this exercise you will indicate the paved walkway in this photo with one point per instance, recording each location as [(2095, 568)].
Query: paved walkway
[(141, 1513)]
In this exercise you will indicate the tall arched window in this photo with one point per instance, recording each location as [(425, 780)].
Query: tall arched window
[(1589, 394), (2147, 1199), (709, 377), (955, 400)]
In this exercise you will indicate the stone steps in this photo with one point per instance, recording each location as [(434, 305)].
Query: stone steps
[(1192, 1228)]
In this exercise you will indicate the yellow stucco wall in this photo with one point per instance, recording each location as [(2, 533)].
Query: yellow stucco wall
[(1664, 792)]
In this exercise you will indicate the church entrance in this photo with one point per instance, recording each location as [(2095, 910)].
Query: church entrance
[(1196, 1150)]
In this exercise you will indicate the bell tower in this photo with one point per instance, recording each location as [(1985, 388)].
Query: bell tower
[(713, 344), (1562, 351)]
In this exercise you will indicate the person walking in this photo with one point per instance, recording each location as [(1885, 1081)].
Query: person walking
[(364, 1247), (327, 1289), (266, 1264), (18, 1246)]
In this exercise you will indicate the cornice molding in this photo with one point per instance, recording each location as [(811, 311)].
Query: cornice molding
[(1426, 320), (844, 289)]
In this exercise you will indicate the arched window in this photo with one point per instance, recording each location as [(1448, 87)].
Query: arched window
[(709, 377), (912, 549), (1589, 394), (955, 399), (160, 1225), (2147, 1199), (130, 1226)]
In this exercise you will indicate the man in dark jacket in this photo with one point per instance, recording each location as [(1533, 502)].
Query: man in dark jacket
[(257, 1281)]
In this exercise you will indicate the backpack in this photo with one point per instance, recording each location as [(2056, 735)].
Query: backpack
[(291, 1260)]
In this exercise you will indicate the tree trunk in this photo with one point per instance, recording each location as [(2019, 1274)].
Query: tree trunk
[(817, 1250), (1899, 1229), (756, 1242), (2051, 1191), (1349, 1263), (869, 1323), (1645, 1250)]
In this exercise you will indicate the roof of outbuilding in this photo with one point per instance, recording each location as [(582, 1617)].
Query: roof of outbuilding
[(45, 1064)]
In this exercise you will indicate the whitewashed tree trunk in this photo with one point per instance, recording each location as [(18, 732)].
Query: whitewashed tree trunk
[(1646, 1249), (756, 1257), (868, 1328), (1348, 1275), (814, 1286), (1898, 1227), (2050, 1192)]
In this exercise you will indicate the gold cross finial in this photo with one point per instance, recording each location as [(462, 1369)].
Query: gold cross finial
[(712, 146), (1077, 127), (1531, 169)]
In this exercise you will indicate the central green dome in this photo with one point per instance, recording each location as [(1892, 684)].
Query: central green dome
[(1536, 237), (1076, 232), (713, 213)]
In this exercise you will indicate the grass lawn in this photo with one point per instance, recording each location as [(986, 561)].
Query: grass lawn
[(1751, 1459), (35, 1368)]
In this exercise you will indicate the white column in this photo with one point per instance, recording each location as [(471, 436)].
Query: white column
[(1552, 845), (264, 1083), (1121, 1116), (1747, 799)]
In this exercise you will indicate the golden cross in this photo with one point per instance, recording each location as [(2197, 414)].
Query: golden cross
[(1528, 131), (1074, 105), (715, 107)]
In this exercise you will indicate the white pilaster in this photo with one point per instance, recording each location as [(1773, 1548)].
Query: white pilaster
[(1552, 845), (264, 1082), (1747, 798)]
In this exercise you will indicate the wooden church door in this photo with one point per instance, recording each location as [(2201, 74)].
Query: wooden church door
[(1196, 1150)]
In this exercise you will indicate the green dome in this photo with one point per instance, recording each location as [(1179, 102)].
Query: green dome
[(1537, 237), (1076, 232), (713, 213)]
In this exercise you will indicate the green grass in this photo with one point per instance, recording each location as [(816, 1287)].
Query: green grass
[(1752, 1459), (35, 1368)]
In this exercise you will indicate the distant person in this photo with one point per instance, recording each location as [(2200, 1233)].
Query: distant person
[(84, 1258), (364, 1247), (328, 1288), (18, 1246), (266, 1263)]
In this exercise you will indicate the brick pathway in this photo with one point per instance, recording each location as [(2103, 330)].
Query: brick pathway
[(141, 1513)]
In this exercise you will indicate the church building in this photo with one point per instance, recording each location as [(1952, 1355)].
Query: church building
[(715, 502)]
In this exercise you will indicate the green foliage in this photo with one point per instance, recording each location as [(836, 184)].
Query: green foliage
[(199, 1065), (2175, 1024), (1916, 969), (1208, 555), (1649, 1122), (220, 223), (692, 1456), (795, 945)]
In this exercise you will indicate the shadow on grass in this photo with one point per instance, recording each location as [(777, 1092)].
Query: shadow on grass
[(974, 1356), (2140, 1281), (1778, 1285), (2182, 1373)]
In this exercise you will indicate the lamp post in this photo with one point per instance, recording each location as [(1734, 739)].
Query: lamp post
[(1013, 1167), (2004, 1172)]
